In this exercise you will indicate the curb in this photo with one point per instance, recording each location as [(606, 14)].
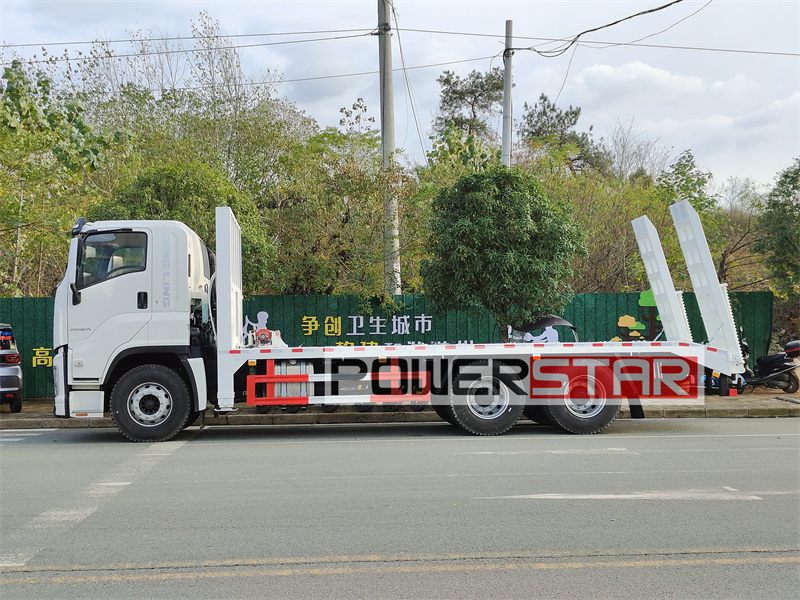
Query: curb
[(37, 414)]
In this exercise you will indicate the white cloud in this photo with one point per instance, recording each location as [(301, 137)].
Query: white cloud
[(733, 87), (635, 81)]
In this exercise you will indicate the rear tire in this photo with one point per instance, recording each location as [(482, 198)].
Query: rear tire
[(16, 404), (538, 414), (445, 412), (578, 413), (489, 406), (794, 385), (150, 403)]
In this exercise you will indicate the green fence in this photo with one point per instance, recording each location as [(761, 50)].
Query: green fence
[(346, 320)]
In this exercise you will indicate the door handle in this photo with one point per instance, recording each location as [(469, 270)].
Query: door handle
[(141, 300)]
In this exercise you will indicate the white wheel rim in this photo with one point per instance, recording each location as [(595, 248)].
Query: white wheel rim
[(149, 404), (488, 398), (583, 407)]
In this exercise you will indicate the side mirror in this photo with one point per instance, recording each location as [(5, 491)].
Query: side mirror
[(76, 295)]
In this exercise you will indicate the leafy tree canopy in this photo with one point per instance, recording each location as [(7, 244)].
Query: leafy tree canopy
[(779, 225), (469, 102), (189, 192), (46, 149), (545, 126), (498, 242), (33, 121)]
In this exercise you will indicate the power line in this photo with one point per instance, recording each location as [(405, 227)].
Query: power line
[(428, 66), (689, 16), (577, 45), (595, 44), (559, 51), (410, 93), (607, 44), (190, 50), (190, 37)]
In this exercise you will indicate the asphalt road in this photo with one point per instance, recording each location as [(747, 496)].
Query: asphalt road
[(677, 508)]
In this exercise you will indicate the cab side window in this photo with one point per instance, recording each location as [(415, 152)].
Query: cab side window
[(108, 255)]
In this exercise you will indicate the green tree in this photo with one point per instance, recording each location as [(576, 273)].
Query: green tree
[(547, 129), (189, 192), (46, 150), (470, 103), (498, 242), (604, 207), (684, 180), (779, 243), (737, 265)]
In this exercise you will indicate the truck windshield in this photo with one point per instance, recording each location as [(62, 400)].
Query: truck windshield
[(110, 254)]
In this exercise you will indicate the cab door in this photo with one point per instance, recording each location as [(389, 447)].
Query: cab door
[(111, 300)]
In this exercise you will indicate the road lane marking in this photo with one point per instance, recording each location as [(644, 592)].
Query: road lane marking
[(654, 495), (19, 547), (541, 451), (374, 565), (20, 435), (591, 451)]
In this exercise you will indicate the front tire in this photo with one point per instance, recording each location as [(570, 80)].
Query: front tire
[(794, 384), (488, 405), (150, 403)]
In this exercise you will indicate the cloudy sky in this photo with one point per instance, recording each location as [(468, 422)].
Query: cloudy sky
[(719, 77)]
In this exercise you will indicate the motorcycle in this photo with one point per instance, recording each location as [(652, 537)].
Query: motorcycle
[(777, 371)]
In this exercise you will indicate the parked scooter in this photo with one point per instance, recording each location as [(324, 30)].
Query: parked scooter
[(777, 371)]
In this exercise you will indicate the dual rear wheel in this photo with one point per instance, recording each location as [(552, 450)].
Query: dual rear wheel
[(585, 409), (483, 403)]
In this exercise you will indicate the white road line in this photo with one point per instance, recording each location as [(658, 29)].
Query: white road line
[(21, 546), (24, 431), (655, 495), (530, 452), (592, 451)]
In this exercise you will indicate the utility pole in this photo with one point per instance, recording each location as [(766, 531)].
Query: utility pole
[(507, 54), (391, 235)]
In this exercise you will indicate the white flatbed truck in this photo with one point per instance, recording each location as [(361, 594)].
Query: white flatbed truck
[(149, 327)]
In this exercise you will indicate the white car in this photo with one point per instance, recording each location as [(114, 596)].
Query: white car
[(10, 369)]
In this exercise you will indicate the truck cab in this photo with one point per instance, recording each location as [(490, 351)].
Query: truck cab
[(134, 292)]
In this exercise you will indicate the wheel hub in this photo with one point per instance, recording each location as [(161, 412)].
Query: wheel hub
[(149, 404), (487, 400), (580, 405)]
